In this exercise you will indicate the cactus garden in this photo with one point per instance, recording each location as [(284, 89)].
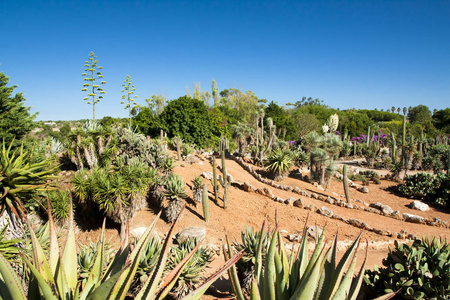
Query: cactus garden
[(245, 150)]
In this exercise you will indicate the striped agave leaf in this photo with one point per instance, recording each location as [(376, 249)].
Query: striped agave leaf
[(298, 276), (56, 277)]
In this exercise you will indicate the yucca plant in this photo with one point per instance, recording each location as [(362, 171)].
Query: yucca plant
[(119, 193), (279, 163), (193, 272), (197, 189), (175, 193), (300, 276), (21, 182), (167, 165), (56, 277)]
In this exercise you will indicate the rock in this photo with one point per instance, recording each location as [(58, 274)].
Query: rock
[(191, 232), (329, 200), (348, 205), (397, 215), (413, 218), (297, 190), (260, 191), (278, 199), (325, 211), (314, 196), (311, 207), (268, 192), (208, 175), (289, 188), (138, 232), (438, 222), (419, 205), (338, 217), (248, 187), (289, 201), (190, 159), (372, 210), (382, 232), (299, 203), (315, 232), (363, 189), (294, 237), (322, 197), (384, 209), (356, 223)]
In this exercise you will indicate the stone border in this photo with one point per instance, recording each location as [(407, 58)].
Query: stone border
[(376, 208)]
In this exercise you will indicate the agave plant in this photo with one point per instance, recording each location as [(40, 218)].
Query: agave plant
[(59, 201), (175, 192), (56, 277), (300, 276), (193, 272), (279, 163), (197, 188), (21, 181), (246, 266)]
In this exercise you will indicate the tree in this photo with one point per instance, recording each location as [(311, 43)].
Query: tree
[(215, 93), (393, 109), (189, 119), (404, 111), (419, 114), (156, 103), (128, 100), (15, 118), (441, 120), (282, 120), (92, 74), (398, 110)]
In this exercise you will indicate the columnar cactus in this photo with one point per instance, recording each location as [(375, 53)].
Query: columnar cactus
[(394, 149), (178, 148), (225, 181), (205, 203), (214, 181), (345, 182)]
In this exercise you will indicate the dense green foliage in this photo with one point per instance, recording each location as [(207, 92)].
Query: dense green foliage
[(434, 188), (15, 118), (418, 271)]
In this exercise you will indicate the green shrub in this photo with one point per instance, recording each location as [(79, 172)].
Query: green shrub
[(419, 271), (279, 163), (434, 188)]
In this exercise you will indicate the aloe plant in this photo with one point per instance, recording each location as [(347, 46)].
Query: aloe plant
[(56, 276), (303, 276)]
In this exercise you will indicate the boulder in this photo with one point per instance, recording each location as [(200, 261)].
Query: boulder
[(268, 192), (329, 200), (419, 205), (191, 232)]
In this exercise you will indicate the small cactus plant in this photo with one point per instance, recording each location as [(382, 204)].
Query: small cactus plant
[(225, 181), (197, 189), (205, 203), (345, 182), (214, 181)]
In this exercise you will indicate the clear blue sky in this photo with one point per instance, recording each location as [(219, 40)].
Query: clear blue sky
[(362, 54)]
